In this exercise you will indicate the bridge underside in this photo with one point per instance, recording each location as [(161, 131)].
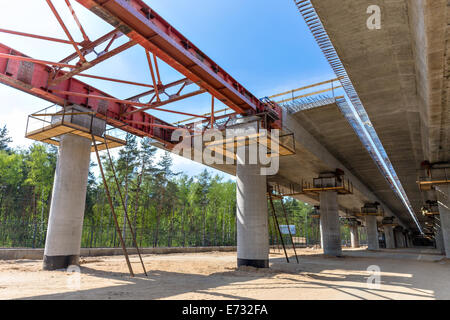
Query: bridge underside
[(400, 84), (400, 74)]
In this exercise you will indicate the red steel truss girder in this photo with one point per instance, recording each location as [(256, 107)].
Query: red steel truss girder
[(36, 36), (184, 82), (33, 78), (88, 48), (89, 64), (128, 103), (143, 25)]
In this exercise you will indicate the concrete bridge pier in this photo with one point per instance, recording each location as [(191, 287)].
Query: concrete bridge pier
[(389, 237), (372, 233), (399, 238), (62, 245), (443, 194), (251, 217), (409, 243), (329, 224), (439, 239), (354, 236)]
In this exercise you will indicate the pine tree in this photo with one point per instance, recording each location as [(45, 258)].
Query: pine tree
[(146, 154), (126, 169), (4, 139)]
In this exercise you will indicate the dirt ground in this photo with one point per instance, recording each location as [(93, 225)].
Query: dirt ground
[(405, 274)]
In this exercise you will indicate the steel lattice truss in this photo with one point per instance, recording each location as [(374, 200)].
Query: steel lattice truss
[(55, 82)]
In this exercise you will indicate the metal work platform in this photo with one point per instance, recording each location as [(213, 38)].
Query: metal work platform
[(376, 214), (321, 184), (389, 221), (433, 175), (430, 209), (75, 120), (282, 145), (371, 210)]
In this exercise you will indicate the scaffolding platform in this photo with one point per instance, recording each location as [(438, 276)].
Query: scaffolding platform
[(434, 175), (228, 147), (427, 185), (369, 214), (343, 187), (53, 125), (432, 213), (430, 209)]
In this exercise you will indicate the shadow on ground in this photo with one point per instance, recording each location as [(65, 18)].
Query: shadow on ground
[(403, 276)]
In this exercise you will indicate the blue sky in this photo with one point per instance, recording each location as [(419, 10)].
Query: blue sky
[(264, 44)]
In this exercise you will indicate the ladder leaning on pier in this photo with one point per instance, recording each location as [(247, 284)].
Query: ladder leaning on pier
[(113, 212), (277, 225)]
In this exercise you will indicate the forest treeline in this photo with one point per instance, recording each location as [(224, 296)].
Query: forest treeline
[(166, 208)]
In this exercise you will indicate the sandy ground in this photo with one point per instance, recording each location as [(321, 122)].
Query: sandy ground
[(405, 274)]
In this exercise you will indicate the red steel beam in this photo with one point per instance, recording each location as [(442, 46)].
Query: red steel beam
[(153, 125), (75, 17), (89, 64), (33, 78), (163, 88), (143, 25), (146, 106), (139, 84), (36, 36), (88, 48), (66, 31), (37, 61), (170, 100)]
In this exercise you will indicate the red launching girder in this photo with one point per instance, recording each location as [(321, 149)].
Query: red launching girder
[(145, 27), (33, 78), (142, 26)]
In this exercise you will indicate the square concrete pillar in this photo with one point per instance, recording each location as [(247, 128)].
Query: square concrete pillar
[(354, 236), (62, 245), (372, 233), (329, 224), (443, 195), (389, 237)]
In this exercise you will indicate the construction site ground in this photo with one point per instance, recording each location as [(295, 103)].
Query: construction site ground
[(405, 274)]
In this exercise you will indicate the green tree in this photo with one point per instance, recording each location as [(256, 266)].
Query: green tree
[(4, 139), (126, 170), (161, 194)]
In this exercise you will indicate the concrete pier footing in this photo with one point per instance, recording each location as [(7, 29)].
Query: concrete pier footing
[(372, 233), (62, 246), (251, 217), (329, 224)]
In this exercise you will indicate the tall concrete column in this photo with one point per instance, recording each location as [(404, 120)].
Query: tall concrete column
[(389, 237), (372, 233), (399, 239), (321, 235), (62, 245), (409, 243), (354, 236), (439, 240), (329, 223), (252, 220), (443, 193)]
